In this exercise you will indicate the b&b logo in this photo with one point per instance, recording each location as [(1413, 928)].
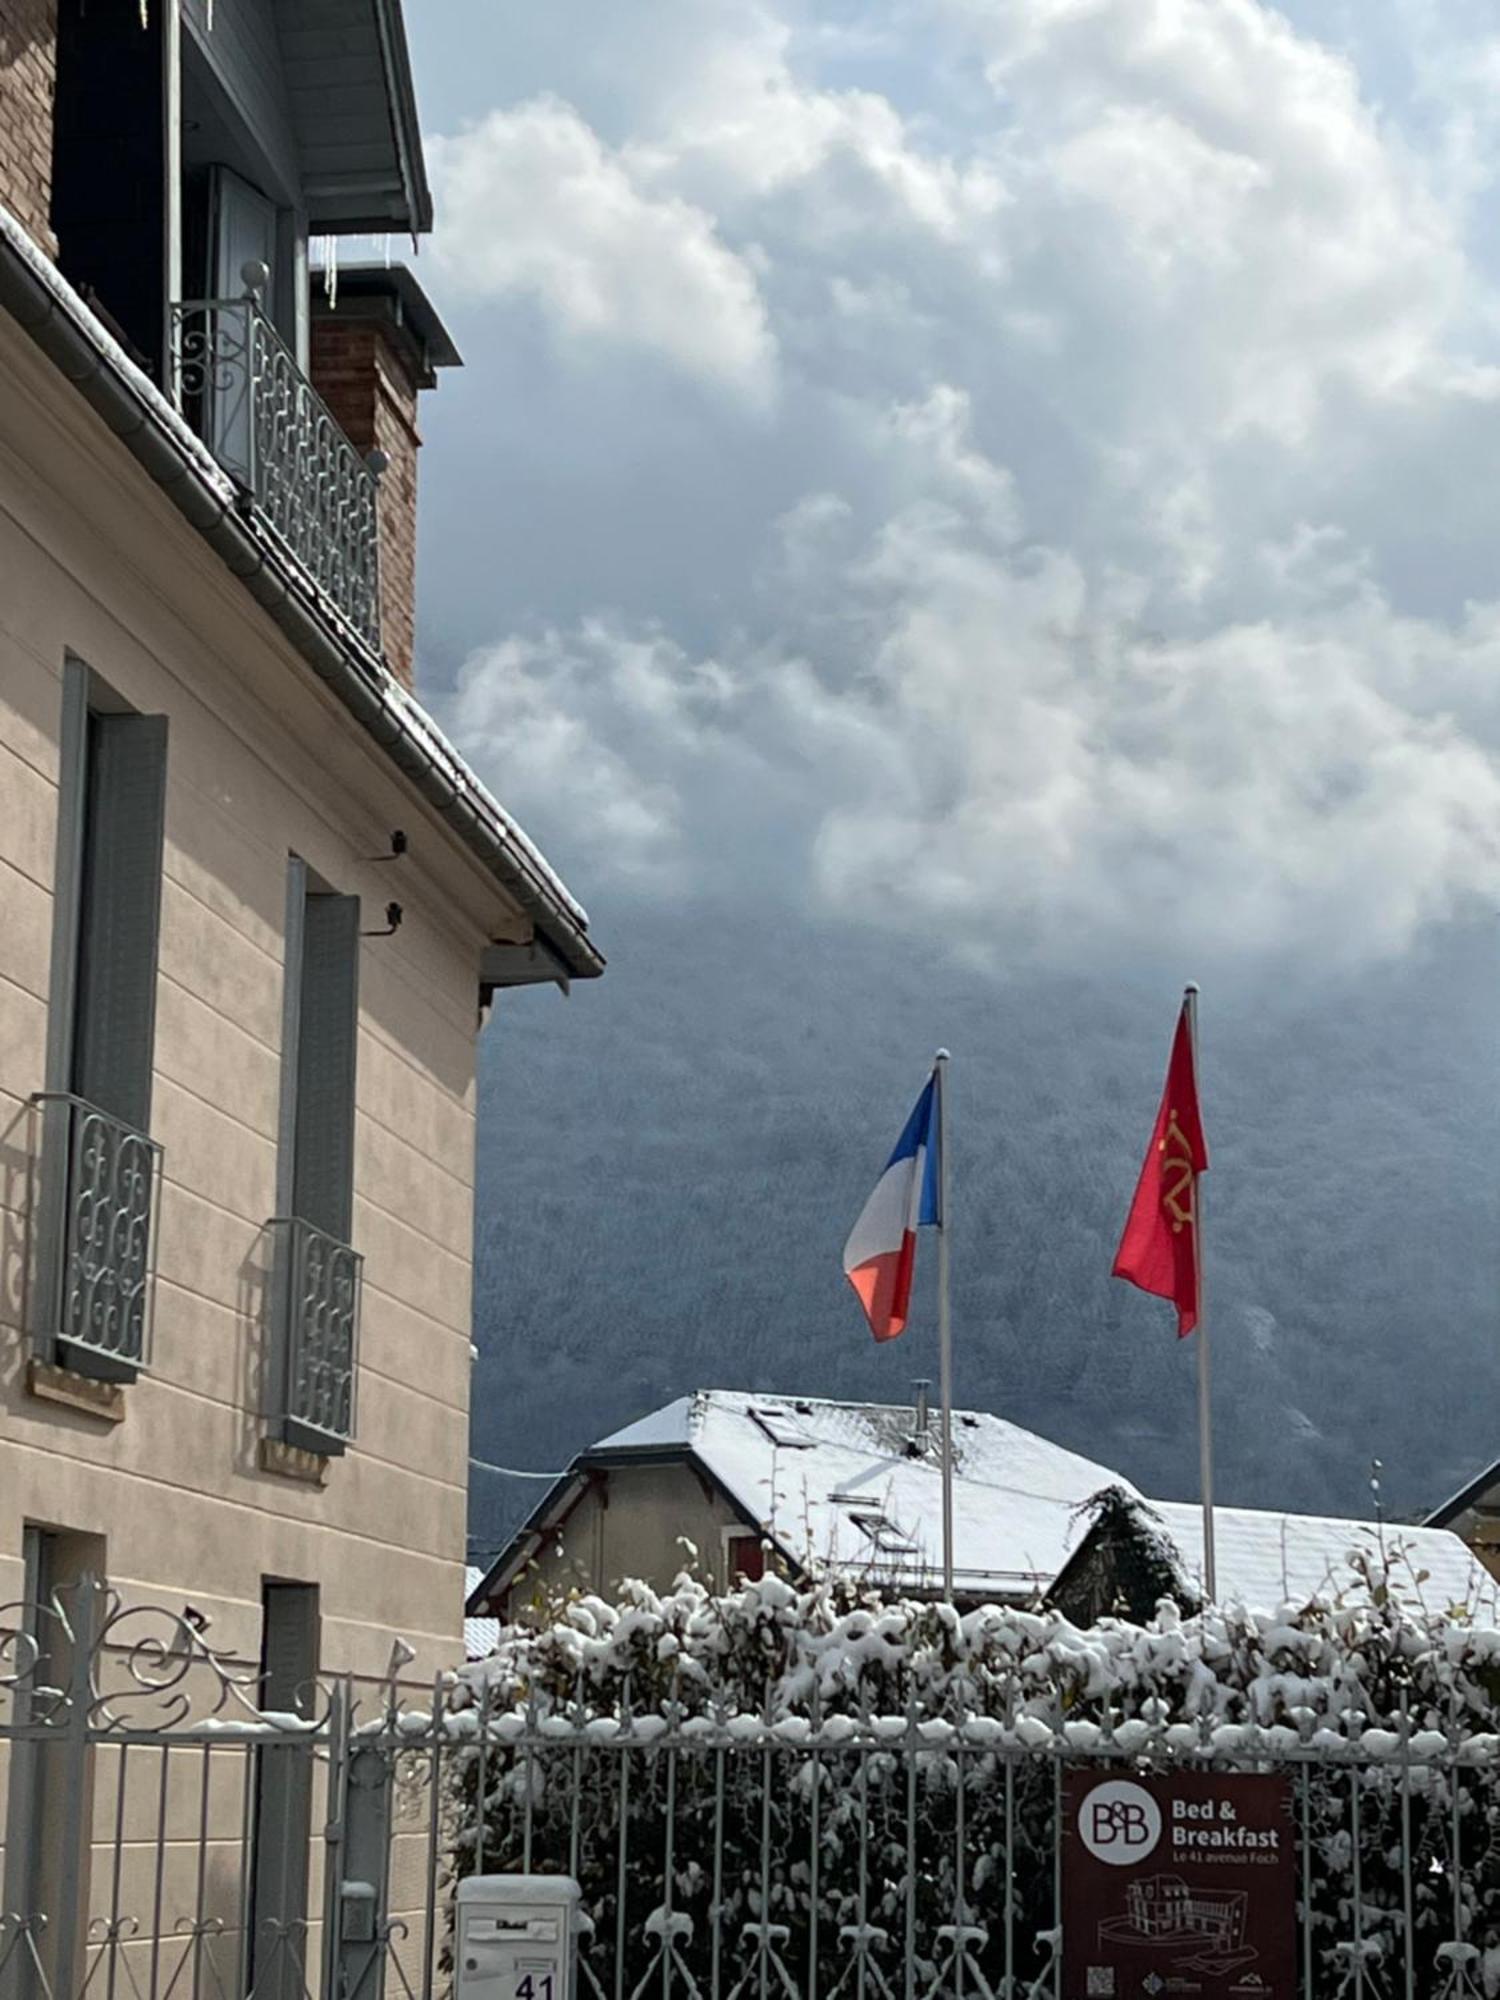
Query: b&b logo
[(1120, 1823)]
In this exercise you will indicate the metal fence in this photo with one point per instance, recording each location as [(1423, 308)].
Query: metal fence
[(908, 1857), (94, 1248), (239, 385), (165, 1839), (317, 1310)]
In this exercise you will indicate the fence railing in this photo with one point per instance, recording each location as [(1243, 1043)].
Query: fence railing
[(910, 1857), (239, 385), (316, 1300), (94, 1219), (722, 1855)]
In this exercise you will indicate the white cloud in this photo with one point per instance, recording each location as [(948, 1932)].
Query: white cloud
[(1081, 604), (1262, 217), (1018, 760), (535, 204)]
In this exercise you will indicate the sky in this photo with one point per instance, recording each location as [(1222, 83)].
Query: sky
[(1012, 479), (1016, 472)]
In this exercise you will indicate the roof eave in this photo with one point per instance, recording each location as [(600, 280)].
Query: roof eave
[(406, 125), (554, 1506), (1465, 1498), (48, 309)]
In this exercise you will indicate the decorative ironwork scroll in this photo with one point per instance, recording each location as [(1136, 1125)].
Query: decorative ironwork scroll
[(239, 385), (100, 1181), (319, 1294)]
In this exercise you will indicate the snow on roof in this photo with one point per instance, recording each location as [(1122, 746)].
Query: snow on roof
[(481, 1635), (670, 1425), (1265, 1560), (842, 1484)]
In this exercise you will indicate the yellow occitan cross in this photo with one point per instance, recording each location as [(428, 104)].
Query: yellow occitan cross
[(1177, 1180)]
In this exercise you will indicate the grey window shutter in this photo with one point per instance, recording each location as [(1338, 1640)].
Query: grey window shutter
[(283, 1792), (291, 1028), (120, 914), (72, 799), (327, 1044), (289, 1647)]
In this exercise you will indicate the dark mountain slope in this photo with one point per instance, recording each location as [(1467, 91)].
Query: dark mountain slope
[(669, 1164)]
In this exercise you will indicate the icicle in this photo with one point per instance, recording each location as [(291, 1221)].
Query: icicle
[(331, 271), (209, 15), (386, 249), (145, 13)]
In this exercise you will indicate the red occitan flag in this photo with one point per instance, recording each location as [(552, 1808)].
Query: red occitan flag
[(1159, 1250)]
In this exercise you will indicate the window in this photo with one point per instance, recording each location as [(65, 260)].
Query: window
[(880, 1530), (316, 1296), (110, 166), (100, 1169), (744, 1557), (781, 1430), (283, 1791), (49, 1802)]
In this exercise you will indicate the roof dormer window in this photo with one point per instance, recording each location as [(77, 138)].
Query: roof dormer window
[(880, 1530), (781, 1429)]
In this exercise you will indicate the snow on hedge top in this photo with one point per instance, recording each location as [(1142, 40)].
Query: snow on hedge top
[(847, 1485), (1265, 1559), (1361, 1670)]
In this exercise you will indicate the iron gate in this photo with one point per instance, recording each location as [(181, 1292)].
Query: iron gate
[(167, 1838)]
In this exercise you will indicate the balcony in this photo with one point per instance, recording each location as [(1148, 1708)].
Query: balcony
[(238, 384), (314, 1336), (95, 1239)]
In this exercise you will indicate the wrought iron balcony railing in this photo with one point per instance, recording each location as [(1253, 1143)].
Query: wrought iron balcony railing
[(95, 1251), (315, 1334), (239, 386)]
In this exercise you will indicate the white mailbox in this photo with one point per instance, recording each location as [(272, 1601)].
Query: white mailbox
[(517, 1937)]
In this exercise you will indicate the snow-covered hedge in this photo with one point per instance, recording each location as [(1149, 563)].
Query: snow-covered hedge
[(836, 1766)]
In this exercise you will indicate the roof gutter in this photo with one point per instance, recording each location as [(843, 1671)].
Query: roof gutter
[(34, 293)]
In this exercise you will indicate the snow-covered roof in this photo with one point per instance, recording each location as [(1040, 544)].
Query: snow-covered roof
[(840, 1486), (1265, 1560), (481, 1635), (843, 1484), (670, 1426)]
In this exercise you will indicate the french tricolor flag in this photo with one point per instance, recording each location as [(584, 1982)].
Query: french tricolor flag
[(881, 1253)]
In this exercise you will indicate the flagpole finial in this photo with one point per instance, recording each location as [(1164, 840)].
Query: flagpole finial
[(1191, 987), (941, 1056)]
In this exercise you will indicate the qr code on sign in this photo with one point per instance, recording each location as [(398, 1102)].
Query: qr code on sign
[(1101, 1982)]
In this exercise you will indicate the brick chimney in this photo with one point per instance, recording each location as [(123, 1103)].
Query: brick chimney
[(28, 79), (374, 349)]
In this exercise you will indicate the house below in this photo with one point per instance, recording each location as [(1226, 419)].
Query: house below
[(723, 1477), (1473, 1513), (724, 1480), (1134, 1554)]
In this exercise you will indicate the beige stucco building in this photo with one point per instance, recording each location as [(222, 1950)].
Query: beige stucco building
[(253, 908)]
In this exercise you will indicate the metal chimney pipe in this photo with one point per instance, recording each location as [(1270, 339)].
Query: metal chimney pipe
[(921, 1388)]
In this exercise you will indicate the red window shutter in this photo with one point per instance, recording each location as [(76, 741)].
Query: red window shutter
[(747, 1558)]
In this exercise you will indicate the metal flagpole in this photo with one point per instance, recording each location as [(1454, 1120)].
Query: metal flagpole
[(1205, 1402), (945, 1324)]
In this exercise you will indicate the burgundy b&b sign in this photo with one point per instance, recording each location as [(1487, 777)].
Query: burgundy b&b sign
[(1178, 1887)]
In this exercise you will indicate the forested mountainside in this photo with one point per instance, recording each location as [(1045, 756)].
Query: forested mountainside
[(670, 1161)]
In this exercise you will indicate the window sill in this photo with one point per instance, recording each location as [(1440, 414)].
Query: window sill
[(289, 1461), (84, 1393)]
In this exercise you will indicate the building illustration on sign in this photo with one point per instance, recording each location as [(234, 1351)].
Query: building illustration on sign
[(1206, 1926)]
